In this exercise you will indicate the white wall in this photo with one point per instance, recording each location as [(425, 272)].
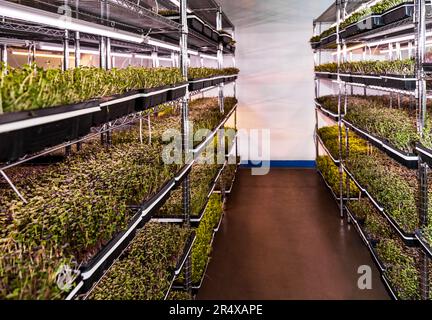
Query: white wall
[(276, 87)]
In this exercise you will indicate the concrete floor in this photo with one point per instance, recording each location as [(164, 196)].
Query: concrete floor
[(282, 239)]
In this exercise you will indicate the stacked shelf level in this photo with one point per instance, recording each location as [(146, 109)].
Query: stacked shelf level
[(117, 135), (377, 100)]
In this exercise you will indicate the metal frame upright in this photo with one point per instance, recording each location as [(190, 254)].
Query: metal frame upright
[(184, 65), (421, 97), (340, 15)]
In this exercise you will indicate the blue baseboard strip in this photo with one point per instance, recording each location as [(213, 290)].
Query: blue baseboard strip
[(299, 164)]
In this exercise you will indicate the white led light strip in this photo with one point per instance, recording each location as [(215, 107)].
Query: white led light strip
[(20, 12)]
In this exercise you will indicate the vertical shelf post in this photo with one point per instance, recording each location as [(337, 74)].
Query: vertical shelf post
[(339, 6), (184, 61), (420, 38), (102, 41), (77, 50), (4, 54), (220, 58), (77, 40), (221, 133)]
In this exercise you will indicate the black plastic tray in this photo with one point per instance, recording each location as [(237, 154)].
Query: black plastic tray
[(400, 12), (346, 77), (351, 30), (122, 244), (393, 152), (176, 93), (225, 39), (366, 24), (195, 86), (315, 45), (114, 111), (399, 82), (18, 143), (408, 238), (326, 112), (215, 36), (424, 153), (145, 103), (203, 83), (373, 81), (196, 25), (326, 75), (332, 38), (208, 32)]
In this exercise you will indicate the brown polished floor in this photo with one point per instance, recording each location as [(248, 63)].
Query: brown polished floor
[(282, 238)]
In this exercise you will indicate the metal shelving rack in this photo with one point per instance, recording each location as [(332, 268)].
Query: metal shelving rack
[(410, 31), (120, 26)]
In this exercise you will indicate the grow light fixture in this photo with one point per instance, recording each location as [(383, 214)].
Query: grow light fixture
[(168, 46), (45, 47), (29, 14), (39, 55), (206, 56)]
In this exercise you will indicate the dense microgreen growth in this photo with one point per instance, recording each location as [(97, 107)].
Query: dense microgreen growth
[(397, 67), (330, 138), (228, 175), (179, 296), (205, 113), (31, 87), (166, 13), (201, 73), (377, 9), (400, 269), (204, 233), (401, 263), (202, 176), (145, 269), (375, 226), (315, 39), (329, 102), (427, 233), (386, 5), (391, 184), (331, 174), (356, 17), (384, 119), (75, 207), (202, 247)]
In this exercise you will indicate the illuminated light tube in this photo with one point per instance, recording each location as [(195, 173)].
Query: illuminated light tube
[(59, 56), (428, 45), (143, 56), (20, 12), (206, 56), (165, 59), (95, 52), (40, 55), (168, 46), (60, 49)]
